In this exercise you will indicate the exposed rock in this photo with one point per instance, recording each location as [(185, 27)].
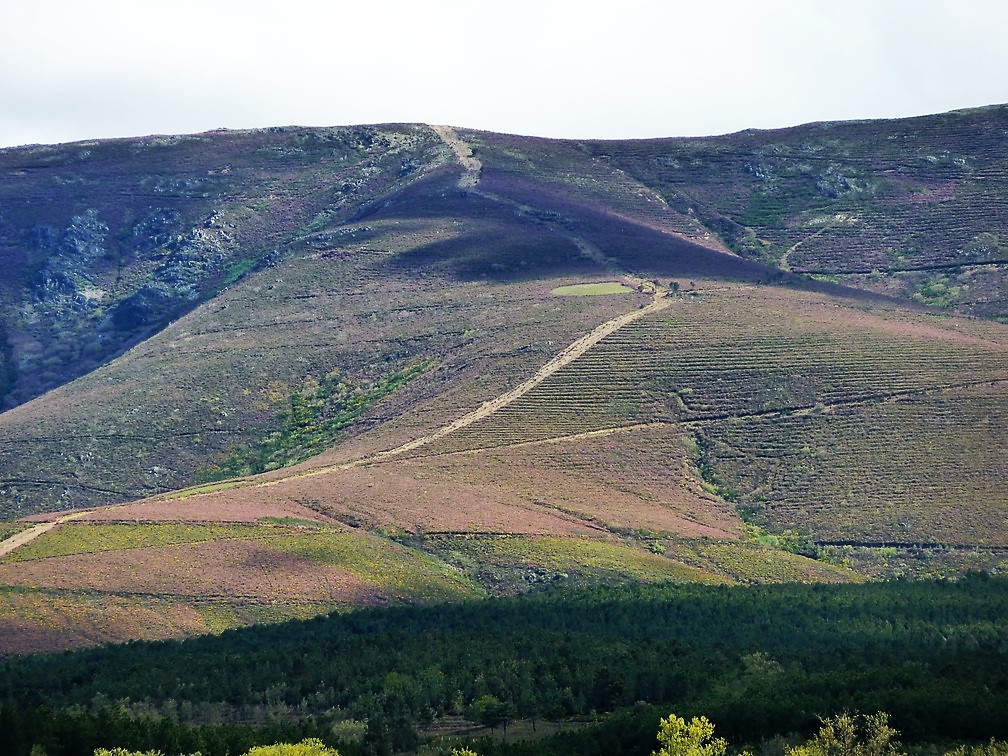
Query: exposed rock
[(65, 281), (191, 259), (836, 183), (155, 230)]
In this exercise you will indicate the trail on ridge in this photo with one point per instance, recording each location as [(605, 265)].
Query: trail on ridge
[(469, 182)]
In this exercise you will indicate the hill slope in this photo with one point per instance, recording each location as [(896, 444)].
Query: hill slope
[(505, 362), (915, 207)]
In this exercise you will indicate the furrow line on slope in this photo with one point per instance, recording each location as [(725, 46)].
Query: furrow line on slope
[(780, 412)]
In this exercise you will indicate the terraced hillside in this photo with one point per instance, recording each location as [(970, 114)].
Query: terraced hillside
[(809, 413), (515, 363)]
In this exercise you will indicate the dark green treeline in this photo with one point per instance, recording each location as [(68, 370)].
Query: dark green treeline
[(758, 661)]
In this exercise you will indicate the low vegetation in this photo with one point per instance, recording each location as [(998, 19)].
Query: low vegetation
[(591, 289), (311, 423)]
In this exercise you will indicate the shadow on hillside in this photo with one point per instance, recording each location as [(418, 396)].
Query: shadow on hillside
[(495, 242), (471, 238)]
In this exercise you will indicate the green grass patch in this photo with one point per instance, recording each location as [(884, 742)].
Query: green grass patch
[(237, 270), (392, 568), (185, 493), (936, 292), (751, 562), (85, 538), (227, 616), (591, 289)]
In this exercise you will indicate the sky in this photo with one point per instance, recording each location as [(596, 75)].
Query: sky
[(86, 69)]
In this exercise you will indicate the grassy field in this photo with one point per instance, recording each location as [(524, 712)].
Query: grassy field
[(591, 289), (77, 538)]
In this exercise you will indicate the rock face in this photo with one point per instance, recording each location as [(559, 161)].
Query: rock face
[(66, 281)]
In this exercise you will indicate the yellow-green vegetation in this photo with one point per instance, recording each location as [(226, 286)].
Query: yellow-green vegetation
[(390, 567), (185, 493), (219, 615), (990, 748), (841, 735), (88, 538), (752, 562), (852, 735), (308, 747), (676, 737), (384, 564), (312, 422), (580, 556), (592, 289)]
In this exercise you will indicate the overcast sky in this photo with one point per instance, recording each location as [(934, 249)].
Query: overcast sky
[(82, 69)]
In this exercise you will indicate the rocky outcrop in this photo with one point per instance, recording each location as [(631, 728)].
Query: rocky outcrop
[(66, 281), (191, 259)]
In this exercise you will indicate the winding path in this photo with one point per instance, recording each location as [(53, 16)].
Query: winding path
[(469, 182)]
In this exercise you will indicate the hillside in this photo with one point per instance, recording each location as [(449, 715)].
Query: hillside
[(106, 242), (405, 363), (914, 208)]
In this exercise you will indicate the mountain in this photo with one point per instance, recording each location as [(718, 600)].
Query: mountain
[(272, 373)]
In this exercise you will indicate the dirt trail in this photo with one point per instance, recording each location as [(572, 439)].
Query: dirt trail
[(18, 540), (574, 350), (464, 154), (838, 219)]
